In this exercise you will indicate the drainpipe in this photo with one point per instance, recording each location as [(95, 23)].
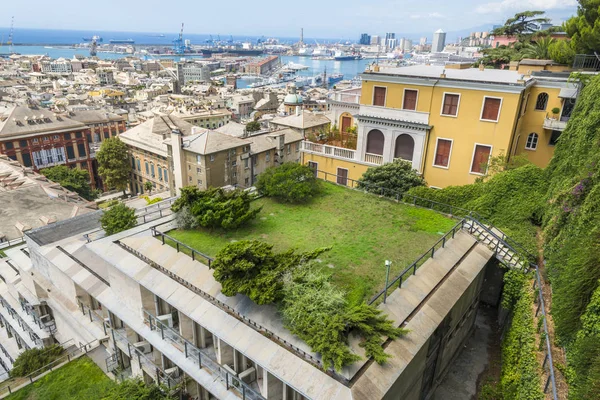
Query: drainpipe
[(428, 134), (251, 161)]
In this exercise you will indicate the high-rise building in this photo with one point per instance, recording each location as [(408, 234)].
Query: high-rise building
[(423, 41), (375, 39), (439, 41), (407, 45), (365, 38), (390, 40)]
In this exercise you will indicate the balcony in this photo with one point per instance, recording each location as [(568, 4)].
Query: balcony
[(554, 124), (337, 152), (374, 159), (394, 114)]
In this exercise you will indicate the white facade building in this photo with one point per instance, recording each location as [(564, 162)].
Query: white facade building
[(439, 41)]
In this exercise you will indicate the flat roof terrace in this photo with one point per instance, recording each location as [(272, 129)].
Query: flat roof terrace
[(362, 230)]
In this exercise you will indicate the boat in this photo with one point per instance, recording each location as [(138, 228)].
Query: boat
[(237, 52), (340, 55), (121, 41), (333, 78), (157, 35), (305, 52), (89, 39)]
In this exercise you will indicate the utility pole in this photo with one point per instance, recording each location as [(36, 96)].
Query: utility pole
[(388, 264)]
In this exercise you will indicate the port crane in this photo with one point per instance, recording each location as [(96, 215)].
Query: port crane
[(11, 33), (178, 44)]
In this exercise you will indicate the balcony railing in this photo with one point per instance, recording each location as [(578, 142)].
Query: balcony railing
[(339, 152), (416, 117), (586, 61), (375, 159), (49, 326), (554, 124), (22, 323), (92, 315), (200, 357), (134, 353)]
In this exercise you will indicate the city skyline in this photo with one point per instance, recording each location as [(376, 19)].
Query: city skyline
[(319, 20)]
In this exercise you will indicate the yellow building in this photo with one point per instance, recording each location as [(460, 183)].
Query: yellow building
[(448, 121)]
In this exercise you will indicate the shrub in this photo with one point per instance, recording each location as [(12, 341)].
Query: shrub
[(252, 268), (137, 389), (74, 179), (253, 126), (153, 201), (289, 182), (398, 177), (216, 208), (117, 219), (33, 359)]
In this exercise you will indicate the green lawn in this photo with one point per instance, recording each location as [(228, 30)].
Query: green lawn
[(363, 231), (79, 379)]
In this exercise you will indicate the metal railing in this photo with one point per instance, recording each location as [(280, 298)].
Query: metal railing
[(586, 61), (22, 323), (7, 388), (193, 252), (12, 242), (161, 376), (49, 326), (201, 358), (7, 355), (412, 268), (92, 314), (230, 310)]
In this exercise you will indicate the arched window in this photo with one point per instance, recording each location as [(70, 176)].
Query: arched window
[(375, 140), (405, 147), (542, 101), (532, 141)]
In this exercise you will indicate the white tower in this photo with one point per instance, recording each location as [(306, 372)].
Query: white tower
[(439, 41)]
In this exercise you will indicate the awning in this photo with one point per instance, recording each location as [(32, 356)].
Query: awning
[(568, 93)]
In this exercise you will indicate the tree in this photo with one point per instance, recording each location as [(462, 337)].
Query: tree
[(395, 177), (74, 179), (113, 163), (253, 126), (33, 359), (497, 56), (522, 23), (562, 52), (148, 186), (137, 389), (289, 182), (540, 49), (584, 28), (117, 219), (216, 207), (251, 267)]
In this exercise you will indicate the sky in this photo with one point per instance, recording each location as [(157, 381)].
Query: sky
[(319, 18)]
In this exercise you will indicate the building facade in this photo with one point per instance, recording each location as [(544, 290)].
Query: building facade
[(39, 138), (449, 122), (439, 41)]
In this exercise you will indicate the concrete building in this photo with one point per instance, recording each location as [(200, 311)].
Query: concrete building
[(137, 300), (59, 66), (210, 119), (375, 40), (39, 138), (263, 66), (304, 122), (439, 41), (105, 76), (188, 72)]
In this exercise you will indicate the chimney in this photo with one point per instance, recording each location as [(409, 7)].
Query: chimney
[(176, 145), (443, 74)]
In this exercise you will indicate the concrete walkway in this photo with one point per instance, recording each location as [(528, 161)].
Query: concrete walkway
[(99, 356)]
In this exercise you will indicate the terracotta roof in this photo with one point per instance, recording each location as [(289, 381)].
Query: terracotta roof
[(25, 121)]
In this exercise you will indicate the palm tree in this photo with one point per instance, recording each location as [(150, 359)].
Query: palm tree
[(538, 49)]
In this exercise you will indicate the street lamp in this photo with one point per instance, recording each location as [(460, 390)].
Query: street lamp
[(388, 264)]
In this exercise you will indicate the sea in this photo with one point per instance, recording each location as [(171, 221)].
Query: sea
[(59, 43)]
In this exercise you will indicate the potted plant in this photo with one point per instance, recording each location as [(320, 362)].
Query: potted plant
[(555, 112)]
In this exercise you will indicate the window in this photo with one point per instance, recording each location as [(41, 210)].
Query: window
[(139, 164), (46, 138), (532, 141), (442, 153), (297, 147), (541, 102), (8, 145), (200, 182), (198, 158), (152, 170), (234, 163), (78, 135), (481, 156), (342, 176), (247, 181), (554, 138), (81, 150), (189, 178), (289, 148), (246, 162), (159, 173), (132, 162), (410, 99), (67, 136), (491, 109), (375, 141), (23, 143), (55, 137), (450, 106), (106, 135), (212, 157), (96, 137), (26, 159), (35, 140), (70, 152), (379, 96), (147, 167), (314, 166), (166, 176), (405, 147), (255, 160), (268, 156)]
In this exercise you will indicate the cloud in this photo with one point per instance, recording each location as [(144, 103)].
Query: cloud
[(430, 15), (517, 5)]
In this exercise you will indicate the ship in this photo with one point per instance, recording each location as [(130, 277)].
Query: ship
[(342, 56), (333, 78), (157, 35), (121, 41), (89, 39)]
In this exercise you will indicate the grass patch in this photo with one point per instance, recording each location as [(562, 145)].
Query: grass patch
[(363, 231), (79, 379)]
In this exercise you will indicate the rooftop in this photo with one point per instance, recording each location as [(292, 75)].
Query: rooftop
[(486, 75), (209, 142), (150, 135), (24, 120), (304, 120)]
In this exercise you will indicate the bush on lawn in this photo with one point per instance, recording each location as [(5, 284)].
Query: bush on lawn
[(396, 177), (33, 359), (117, 219), (289, 182)]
